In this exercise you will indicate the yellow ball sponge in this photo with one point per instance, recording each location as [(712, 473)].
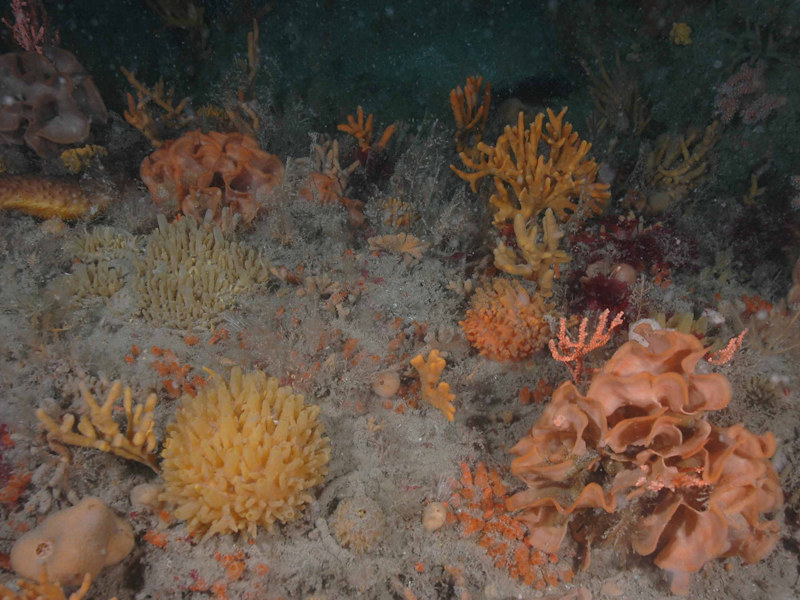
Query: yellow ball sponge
[(242, 454)]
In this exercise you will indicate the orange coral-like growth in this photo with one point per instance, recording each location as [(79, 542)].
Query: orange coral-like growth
[(202, 172), (361, 129), (434, 391), (558, 181), (636, 458), (573, 352), (469, 115), (505, 321)]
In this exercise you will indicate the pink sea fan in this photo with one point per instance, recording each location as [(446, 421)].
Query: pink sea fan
[(744, 93)]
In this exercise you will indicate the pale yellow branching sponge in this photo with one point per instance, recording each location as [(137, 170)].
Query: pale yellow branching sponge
[(99, 430)]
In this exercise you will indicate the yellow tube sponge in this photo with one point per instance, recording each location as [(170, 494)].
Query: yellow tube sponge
[(73, 542), (242, 454)]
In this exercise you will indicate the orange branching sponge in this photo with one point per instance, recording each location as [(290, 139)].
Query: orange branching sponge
[(362, 130), (406, 245), (429, 372), (155, 110), (49, 198), (328, 180), (242, 454), (45, 589), (505, 321), (15, 487), (470, 117), (98, 428), (535, 255), (201, 172), (532, 189), (635, 463), (559, 181)]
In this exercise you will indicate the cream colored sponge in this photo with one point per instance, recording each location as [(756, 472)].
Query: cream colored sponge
[(72, 542)]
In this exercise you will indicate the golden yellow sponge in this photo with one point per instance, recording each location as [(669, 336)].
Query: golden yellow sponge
[(49, 198), (242, 454)]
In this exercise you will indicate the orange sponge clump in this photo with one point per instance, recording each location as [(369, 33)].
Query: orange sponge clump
[(634, 462), (199, 172), (505, 321)]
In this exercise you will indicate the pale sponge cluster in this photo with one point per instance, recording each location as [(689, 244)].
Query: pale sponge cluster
[(358, 523), (242, 454), (191, 273)]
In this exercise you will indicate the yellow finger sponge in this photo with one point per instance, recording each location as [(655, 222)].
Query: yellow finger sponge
[(72, 542)]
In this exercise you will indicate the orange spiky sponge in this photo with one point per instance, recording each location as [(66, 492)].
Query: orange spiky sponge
[(505, 321), (48, 198)]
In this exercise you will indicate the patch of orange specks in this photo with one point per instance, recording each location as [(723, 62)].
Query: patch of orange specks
[(754, 305), (199, 585), (157, 538), (537, 395), (233, 563), (176, 376), (479, 504), (220, 589), (135, 352), (349, 348), (165, 516), (14, 488), (219, 335)]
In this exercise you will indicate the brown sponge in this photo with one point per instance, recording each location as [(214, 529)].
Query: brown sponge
[(49, 100)]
